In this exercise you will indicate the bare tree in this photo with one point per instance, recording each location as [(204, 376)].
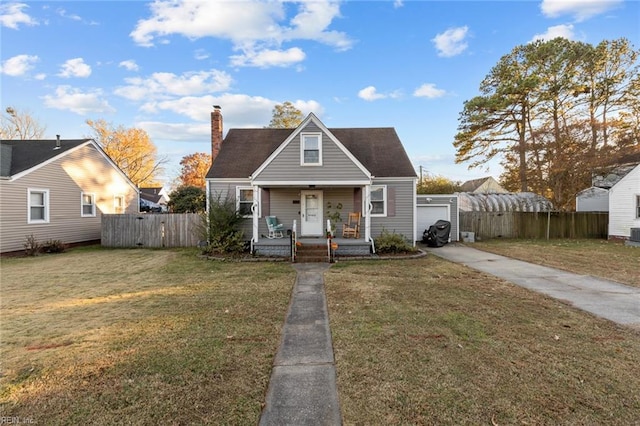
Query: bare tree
[(20, 125)]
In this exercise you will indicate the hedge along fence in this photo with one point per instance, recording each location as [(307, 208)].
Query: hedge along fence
[(151, 230), (538, 225)]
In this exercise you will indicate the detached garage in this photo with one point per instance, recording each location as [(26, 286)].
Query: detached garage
[(431, 208)]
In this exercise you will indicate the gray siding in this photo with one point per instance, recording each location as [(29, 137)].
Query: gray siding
[(442, 199), (283, 207), (335, 163), (402, 221), (84, 170), (228, 189)]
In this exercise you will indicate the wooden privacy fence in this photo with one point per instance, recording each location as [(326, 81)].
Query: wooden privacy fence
[(151, 230), (539, 225)]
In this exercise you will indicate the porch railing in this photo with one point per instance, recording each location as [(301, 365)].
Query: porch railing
[(294, 240)]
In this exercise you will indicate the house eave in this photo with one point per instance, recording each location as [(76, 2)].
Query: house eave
[(307, 183)]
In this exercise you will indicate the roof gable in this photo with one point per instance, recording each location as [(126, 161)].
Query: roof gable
[(29, 155), (312, 124), (245, 152)]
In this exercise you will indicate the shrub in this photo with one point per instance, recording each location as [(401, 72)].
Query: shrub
[(390, 242), (221, 225), (53, 246), (32, 247)]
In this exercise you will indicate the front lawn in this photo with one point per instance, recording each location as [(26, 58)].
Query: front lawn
[(427, 341), (98, 336)]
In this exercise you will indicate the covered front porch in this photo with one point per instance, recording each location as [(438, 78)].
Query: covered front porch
[(305, 214), (282, 247)]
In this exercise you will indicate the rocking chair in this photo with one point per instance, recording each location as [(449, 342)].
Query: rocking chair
[(275, 228), (351, 229)]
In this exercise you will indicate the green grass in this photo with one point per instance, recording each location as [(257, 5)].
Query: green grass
[(139, 337), (426, 341)]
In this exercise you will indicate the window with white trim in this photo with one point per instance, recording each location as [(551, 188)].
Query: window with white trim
[(311, 149), (88, 205), (244, 201), (637, 206), (38, 205), (378, 200), (118, 204)]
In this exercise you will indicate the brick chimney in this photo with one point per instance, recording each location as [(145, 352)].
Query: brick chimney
[(216, 131)]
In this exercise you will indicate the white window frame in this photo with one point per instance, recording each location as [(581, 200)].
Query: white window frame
[(118, 207), (93, 204), (45, 198), (384, 200), (637, 206), (239, 189), (303, 140)]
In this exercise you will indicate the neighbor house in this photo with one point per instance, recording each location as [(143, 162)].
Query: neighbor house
[(483, 185), (624, 206), (154, 199), (57, 190), (311, 174)]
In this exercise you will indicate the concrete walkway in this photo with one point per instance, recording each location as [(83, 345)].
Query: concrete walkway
[(302, 389), (606, 299)]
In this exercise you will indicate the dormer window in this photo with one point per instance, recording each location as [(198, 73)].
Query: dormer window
[(311, 149)]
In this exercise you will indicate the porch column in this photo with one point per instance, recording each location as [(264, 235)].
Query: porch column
[(255, 210), (367, 212)]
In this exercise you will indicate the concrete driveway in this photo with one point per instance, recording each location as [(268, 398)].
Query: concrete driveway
[(606, 299)]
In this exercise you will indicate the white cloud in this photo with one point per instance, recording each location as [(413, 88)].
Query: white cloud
[(129, 65), (252, 26), (74, 100), (239, 111), (164, 84), (451, 42), (429, 90), (565, 31), (11, 15), (75, 68), (269, 58), (18, 65), (580, 10), (397, 4), (200, 54), (370, 93), (40, 76), (71, 16)]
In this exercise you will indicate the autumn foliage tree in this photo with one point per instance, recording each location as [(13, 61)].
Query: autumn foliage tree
[(131, 149), (20, 125), (285, 116), (194, 169), (554, 112), (437, 184)]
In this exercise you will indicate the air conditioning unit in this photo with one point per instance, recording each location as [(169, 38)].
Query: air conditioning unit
[(635, 235)]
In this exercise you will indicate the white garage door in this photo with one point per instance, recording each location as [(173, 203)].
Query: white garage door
[(428, 215)]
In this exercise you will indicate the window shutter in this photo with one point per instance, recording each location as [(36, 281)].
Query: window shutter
[(391, 202), (357, 200), (265, 199)]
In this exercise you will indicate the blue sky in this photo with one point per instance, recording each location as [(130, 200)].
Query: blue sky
[(162, 65)]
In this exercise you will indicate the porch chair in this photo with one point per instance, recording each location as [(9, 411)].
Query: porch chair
[(351, 229), (275, 228)]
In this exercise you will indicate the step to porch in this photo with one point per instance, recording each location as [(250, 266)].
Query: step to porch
[(312, 253)]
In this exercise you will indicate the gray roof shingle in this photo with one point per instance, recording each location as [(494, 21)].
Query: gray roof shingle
[(378, 149), (25, 154)]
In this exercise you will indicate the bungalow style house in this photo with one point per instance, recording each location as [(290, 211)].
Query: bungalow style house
[(57, 190), (312, 177)]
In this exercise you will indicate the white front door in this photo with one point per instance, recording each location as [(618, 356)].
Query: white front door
[(311, 212)]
